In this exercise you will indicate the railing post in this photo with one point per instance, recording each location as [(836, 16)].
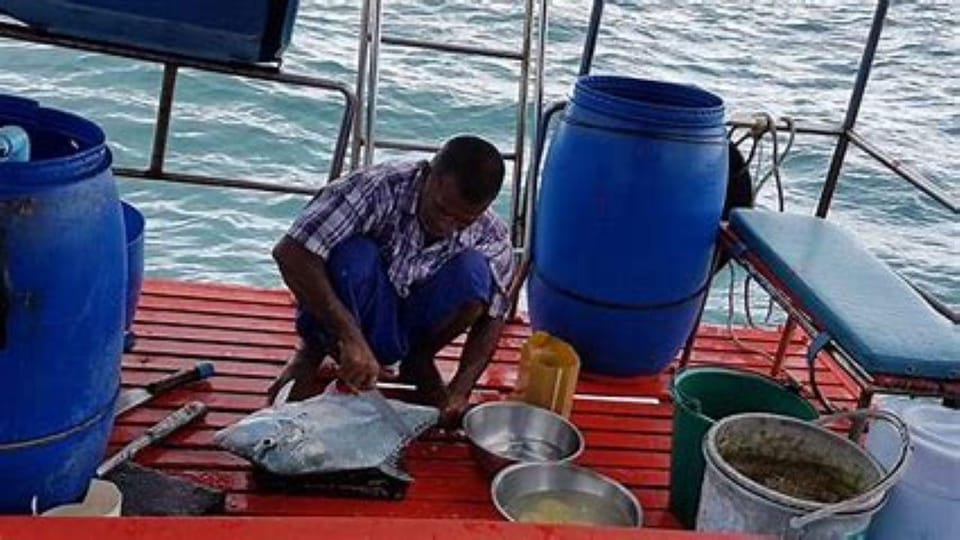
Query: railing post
[(373, 76), (853, 109), (161, 131), (362, 57), (590, 44), (521, 126)]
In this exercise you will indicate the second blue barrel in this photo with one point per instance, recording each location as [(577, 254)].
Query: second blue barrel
[(632, 192), (62, 296)]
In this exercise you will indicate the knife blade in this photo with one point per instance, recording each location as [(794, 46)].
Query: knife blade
[(134, 397), (388, 412)]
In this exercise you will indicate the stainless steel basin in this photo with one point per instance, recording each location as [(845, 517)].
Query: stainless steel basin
[(502, 433), (522, 480)]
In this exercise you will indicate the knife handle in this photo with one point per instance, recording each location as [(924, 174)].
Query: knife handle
[(179, 418), (201, 371), (174, 421)]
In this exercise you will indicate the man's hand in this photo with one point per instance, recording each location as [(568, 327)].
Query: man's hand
[(303, 369), (358, 366)]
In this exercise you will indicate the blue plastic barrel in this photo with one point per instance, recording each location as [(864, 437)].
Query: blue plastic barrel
[(633, 188), (133, 224), (62, 294)]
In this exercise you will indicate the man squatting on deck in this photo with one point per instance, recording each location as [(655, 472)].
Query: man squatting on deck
[(390, 263)]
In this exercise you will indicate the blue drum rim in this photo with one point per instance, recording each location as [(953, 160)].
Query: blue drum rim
[(681, 106), (55, 437), (90, 159)]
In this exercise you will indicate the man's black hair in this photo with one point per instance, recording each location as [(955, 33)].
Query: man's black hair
[(476, 166)]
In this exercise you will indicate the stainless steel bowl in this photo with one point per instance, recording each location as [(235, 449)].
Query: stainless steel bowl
[(525, 479), (502, 433)]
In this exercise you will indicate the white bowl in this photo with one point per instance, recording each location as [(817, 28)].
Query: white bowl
[(103, 499)]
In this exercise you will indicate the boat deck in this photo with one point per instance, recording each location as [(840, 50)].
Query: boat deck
[(248, 334)]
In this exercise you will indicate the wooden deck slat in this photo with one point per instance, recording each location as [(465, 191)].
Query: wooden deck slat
[(172, 317), (220, 528), (248, 334), (221, 342), (207, 291)]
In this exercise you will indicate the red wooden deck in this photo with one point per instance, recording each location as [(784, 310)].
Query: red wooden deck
[(248, 334)]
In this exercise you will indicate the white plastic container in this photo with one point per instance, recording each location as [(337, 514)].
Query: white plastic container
[(103, 500), (925, 503)]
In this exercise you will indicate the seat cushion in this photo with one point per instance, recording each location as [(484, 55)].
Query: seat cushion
[(873, 314)]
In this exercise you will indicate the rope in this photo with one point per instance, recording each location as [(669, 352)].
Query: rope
[(779, 158), (730, 309), (764, 124)]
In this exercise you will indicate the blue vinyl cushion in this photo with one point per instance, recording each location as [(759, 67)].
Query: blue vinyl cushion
[(870, 312)]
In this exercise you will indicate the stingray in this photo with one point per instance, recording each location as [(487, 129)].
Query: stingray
[(332, 432)]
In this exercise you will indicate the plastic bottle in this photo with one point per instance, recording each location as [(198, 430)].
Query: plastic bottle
[(549, 368), (14, 144)]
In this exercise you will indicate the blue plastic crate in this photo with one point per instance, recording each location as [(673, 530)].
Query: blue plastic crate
[(245, 31)]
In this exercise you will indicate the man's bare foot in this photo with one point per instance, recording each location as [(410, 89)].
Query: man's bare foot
[(304, 369), (389, 373)]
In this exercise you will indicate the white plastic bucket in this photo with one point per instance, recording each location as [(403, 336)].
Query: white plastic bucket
[(103, 499), (925, 503)]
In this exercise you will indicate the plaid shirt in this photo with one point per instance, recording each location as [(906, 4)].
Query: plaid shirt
[(381, 202)]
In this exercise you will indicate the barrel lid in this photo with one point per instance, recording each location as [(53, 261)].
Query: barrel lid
[(81, 150), (935, 436)]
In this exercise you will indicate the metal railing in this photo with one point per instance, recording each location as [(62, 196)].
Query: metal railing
[(365, 142), (171, 65), (524, 190), (845, 133)]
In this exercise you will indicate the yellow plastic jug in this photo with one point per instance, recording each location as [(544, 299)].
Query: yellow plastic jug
[(549, 368)]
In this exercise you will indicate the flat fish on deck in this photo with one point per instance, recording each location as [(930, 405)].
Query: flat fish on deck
[(331, 432)]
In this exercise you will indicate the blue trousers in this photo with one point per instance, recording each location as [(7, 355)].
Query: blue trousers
[(395, 326)]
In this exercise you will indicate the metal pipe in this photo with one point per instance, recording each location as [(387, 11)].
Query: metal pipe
[(689, 343), (343, 137), (590, 44), (827, 131), (520, 137), (161, 130), (785, 336), (853, 109), (211, 181), (355, 147), (421, 147), (533, 174), (452, 48), (915, 178), (258, 72), (373, 76), (531, 189)]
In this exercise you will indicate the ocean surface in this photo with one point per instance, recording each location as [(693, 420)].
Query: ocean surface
[(795, 59)]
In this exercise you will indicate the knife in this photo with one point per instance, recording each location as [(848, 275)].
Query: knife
[(388, 412), (165, 427), (133, 397)]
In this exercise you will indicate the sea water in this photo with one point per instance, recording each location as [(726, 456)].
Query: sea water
[(790, 58)]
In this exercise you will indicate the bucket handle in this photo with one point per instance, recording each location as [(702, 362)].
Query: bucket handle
[(797, 523), (688, 401), (697, 406)]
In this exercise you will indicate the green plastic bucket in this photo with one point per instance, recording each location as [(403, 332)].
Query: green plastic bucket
[(702, 396)]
